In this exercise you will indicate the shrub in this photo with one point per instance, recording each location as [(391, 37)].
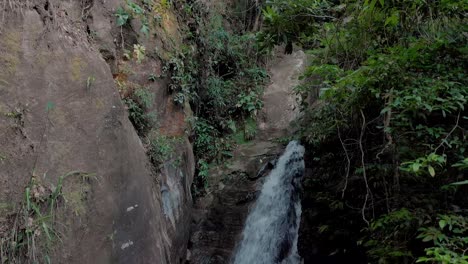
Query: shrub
[(161, 148), (450, 240), (138, 104)]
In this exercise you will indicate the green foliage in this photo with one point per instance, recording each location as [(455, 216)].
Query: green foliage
[(89, 82), (138, 104), (139, 52), (122, 17), (390, 235), (250, 102), (161, 148), (203, 170), (287, 21), (235, 81), (462, 165), (148, 12), (144, 97), (50, 106), (201, 181), (250, 128), (392, 80), (145, 28), (206, 141), (219, 93), (134, 8), (223, 83), (247, 132), (34, 231), (152, 77), (450, 240), (183, 72), (424, 163), (219, 75)]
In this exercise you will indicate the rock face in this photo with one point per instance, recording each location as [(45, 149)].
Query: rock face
[(219, 216), (60, 111)]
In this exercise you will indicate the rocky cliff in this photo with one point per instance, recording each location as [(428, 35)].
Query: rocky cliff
[(62, 67)]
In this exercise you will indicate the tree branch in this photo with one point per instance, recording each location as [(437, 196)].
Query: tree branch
[(449, 134), (368, 192), (348, 163)]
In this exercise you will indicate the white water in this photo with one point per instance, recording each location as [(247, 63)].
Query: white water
[(271, 231)]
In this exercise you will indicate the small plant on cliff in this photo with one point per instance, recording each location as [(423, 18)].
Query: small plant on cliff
[(123, 17), (201, 181), (138, 104), (133, 10), (183, 72), (161, 147), (89, 82), (139, 52), (33, 232), (153, 77)]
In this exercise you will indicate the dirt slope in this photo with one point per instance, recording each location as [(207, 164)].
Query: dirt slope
[(280, 102)]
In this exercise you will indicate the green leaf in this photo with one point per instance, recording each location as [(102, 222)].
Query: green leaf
[(122, 16), (422, 259), (121, 21), (144, 29), (416, 167), (323, 228), (431, 170), (139, 51), (427, 238), (228, 154), (460, 183), (393, 22), (46, 231), (28, 199), (442, 224)]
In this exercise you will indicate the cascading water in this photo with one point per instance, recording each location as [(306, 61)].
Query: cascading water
[(271, 231)]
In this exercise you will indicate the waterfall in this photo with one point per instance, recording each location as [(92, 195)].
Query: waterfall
[(271, 230)]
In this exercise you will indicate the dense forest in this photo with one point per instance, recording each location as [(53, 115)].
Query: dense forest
[(387, 137)]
